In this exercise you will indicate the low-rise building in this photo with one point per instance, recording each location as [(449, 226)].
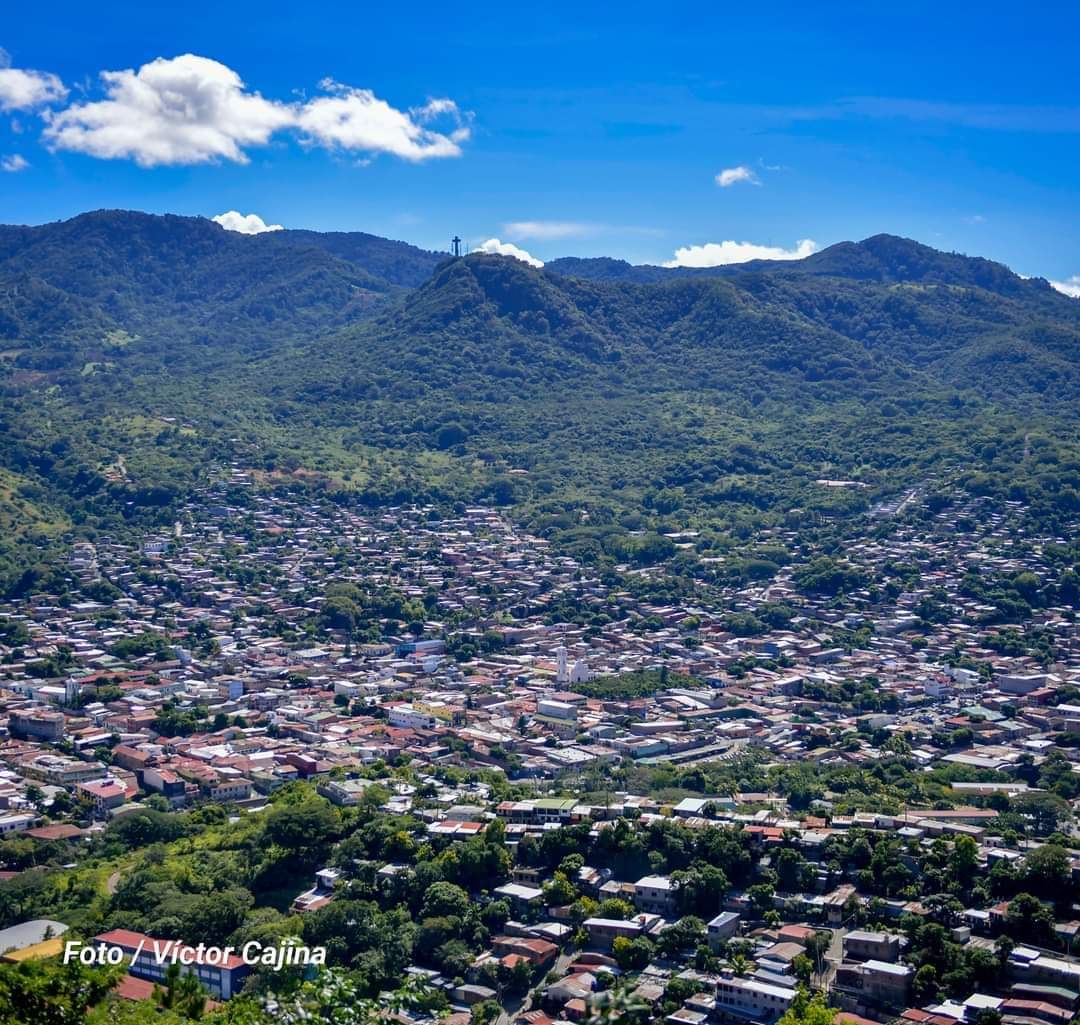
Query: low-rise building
[(150, 959), (655, 894), (862, 945), (740, 999), (722, 928)]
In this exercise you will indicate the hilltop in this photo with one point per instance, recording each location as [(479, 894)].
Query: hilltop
[(143, 274), (886, 259), (142, 353)]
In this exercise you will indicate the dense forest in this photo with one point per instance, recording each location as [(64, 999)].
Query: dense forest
[(609, 405)]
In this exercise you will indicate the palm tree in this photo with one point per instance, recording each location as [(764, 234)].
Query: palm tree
[(739, 963)]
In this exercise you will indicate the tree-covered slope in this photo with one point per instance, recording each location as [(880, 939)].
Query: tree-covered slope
[(144, 353), (793, 336), (727, 398), (150, 276), (882, 259)]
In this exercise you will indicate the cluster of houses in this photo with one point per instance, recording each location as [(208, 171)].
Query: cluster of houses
[(244, 686), (864, 970)]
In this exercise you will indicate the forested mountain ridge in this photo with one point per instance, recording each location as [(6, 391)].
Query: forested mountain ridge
[(140, 273), (885, 259), (790, 332), (140, 354)]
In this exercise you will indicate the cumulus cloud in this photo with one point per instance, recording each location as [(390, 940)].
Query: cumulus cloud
[(734, 175), (494, 245), (1070, 286), (23, 89), (193, 110), (548, 229), (249, 224), (357, 120), (13, 163), (185, 110), (719, 254)]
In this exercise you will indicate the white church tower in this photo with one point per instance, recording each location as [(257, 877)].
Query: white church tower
[(563, 674)]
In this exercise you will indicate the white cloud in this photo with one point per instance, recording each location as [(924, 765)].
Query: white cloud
[(13, 163), (356, 119), (733, 175), (186, 110), (250, 224), (23, 89), (1070, 286), (193, 110), (493, 245), (719, 254), (548, 229)]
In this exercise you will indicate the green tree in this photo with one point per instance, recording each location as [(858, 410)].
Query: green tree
[(559, 891), (486, 1012), (925, 986), (686, 934), (445, 900), (1029, 920), (1048, 872), (47, 993), (632, 955), (181, 993)]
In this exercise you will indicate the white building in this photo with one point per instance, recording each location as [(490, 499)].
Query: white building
[(410, 717), (655, 894), (552, 709), (749, 998), (17, 822)]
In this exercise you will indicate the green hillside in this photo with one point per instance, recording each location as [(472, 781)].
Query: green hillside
[(603, 403)]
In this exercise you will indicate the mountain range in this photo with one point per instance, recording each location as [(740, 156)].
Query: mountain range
[(885, 259), (141, 354)]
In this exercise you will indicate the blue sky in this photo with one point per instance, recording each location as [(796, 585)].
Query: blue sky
[(579, 129)]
